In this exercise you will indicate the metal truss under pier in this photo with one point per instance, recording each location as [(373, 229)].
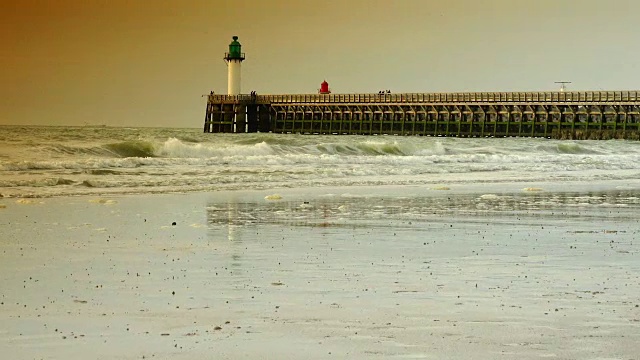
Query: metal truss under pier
[(525, 114)]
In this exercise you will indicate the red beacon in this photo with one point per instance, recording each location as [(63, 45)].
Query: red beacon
[(324, 88)]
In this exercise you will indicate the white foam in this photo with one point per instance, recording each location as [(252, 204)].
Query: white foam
[(28, 202), (489, 197)]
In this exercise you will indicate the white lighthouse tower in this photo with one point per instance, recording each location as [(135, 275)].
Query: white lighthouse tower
[(234, 59)]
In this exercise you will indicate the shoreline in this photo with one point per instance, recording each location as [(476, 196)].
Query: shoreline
[(422, 188)]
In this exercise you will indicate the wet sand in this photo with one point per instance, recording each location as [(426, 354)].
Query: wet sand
[(479, 272)]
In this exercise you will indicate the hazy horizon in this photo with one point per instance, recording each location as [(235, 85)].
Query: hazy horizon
[(122, 63)]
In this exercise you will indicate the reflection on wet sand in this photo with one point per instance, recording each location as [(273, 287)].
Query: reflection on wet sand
[(531, 274), (353, 211)]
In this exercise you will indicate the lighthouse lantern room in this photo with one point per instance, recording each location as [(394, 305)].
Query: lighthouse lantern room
[(234, 59)]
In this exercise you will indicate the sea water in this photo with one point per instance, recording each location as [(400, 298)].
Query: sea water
[(63, 161)]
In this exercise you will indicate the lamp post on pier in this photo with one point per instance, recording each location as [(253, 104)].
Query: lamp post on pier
[(563, 85)]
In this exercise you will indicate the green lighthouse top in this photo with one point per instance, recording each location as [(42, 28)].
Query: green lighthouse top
[(235, 52)]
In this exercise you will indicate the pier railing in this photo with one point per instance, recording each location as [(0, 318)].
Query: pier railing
[(434, 98)]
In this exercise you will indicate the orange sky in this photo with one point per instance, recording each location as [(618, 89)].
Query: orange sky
[(140, 63)]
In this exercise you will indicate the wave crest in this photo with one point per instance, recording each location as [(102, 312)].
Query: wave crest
[(176, 148), (136, 148)]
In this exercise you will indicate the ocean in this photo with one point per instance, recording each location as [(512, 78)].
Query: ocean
[(68, 161)]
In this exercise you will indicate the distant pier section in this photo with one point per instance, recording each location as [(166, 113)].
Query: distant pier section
[(560, 114)]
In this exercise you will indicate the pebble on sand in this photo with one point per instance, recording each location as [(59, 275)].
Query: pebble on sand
[(103, 201)]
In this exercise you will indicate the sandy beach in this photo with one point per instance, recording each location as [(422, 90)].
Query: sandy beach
[(413, 272)]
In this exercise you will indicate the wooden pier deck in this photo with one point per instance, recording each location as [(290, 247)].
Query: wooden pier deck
[(575, 114)]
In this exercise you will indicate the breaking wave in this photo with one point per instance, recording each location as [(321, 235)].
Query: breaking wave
[(132, 148), (176, 148)]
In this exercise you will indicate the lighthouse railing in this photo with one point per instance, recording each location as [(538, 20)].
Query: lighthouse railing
[(234, 55)]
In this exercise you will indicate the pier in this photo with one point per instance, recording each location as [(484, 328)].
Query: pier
[(574, 114)]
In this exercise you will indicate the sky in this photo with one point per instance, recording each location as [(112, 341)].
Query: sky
[(148, 63)]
